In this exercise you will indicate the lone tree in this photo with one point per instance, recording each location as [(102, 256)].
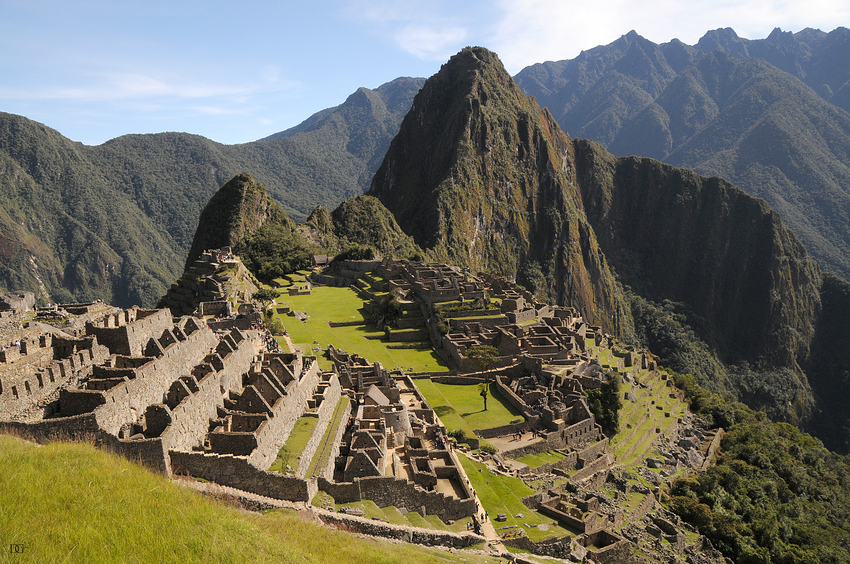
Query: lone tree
[(265, 296), (485, 357), (482, 387)]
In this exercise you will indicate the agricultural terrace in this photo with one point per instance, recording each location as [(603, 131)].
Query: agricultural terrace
[(656, 412), (391, 514), (326, 304)]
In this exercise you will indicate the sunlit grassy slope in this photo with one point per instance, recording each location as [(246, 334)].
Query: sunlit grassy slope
[(70, 502)]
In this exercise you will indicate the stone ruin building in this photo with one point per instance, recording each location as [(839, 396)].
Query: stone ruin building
[(204, 395), (394, 450)]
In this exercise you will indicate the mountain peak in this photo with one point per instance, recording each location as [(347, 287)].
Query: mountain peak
[(237, 209), (481, 176)]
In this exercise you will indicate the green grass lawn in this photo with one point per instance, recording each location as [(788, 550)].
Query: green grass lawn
[(71, 502), (342, 304), (503, 494), (535, 460), (290, 453), (461, 406)]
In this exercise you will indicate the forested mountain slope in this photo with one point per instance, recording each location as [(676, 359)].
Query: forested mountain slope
[(115, 221), (768, 115)]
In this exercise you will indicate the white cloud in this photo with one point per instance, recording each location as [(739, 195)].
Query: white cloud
[(429, 30), (112, 87), (431, 42), (531, 31)]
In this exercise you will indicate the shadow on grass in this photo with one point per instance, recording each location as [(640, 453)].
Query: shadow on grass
[(441, 410)]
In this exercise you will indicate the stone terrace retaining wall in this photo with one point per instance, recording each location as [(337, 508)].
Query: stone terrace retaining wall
[(428, 537), (387, 490), (237, 472), (272, 434), (325, 413), (84, 427), (645, 507), (555, 547)]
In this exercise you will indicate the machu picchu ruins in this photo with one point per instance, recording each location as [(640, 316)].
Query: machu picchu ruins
[(210, 394)]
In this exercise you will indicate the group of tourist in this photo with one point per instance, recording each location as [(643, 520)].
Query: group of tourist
[(12, 344), (518, 436), (443, 442)]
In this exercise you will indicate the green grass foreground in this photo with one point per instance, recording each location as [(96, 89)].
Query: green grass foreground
[(70, 502)]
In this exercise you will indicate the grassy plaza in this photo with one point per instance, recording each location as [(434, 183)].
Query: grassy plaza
[(327, 303)]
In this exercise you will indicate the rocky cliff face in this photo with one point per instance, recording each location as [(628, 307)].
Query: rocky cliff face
[(481, 176), (672, 234)]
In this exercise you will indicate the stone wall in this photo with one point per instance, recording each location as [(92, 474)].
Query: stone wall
[(328, 471), (325, 414), (511, 429), (387, 490), (592, 467), (36, 376), (190, 419), (237, 472), (416, 535), (131, 337), (273, 434), (647, 505), (557, 547), (84, 428), (125, 402)]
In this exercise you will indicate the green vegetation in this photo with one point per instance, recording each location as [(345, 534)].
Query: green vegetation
[(775, 138), (115, 221), (343, 305), (358, 227), (604, 402), (667, 330), (484, 356), (774, 495), (467, 184), (535, 460), (503, 494), (320, 458), (75, 503), (461, 407), (290, 453)]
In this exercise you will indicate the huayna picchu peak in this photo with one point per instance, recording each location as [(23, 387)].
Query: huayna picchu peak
[(481, 176)]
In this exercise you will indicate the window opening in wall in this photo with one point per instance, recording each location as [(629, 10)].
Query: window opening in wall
[(40, 383), (15, 391), (27, 386)]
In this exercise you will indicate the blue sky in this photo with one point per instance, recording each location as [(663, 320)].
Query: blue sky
[(238, 71)]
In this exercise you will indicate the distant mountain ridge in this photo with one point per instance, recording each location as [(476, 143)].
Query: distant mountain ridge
[(768, 115), (115, 221)]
